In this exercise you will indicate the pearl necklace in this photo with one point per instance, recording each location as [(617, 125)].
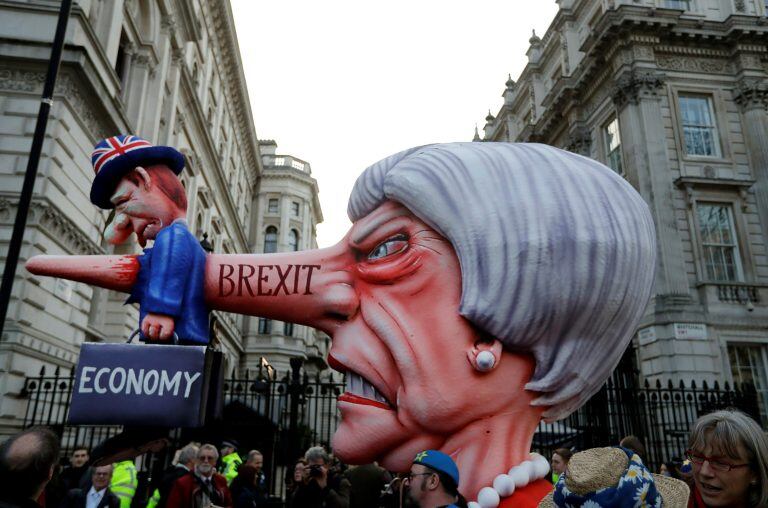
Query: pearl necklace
[(505, 485)]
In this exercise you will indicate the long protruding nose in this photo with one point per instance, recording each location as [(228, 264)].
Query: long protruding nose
[(111, 272), (313, 288)]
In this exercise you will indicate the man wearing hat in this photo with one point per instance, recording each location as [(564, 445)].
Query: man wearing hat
[(433, 481), (139, 181)]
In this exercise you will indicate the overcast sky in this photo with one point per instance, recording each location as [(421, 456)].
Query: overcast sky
[(344, 83)]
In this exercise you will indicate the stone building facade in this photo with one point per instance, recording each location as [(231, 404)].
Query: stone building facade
[(167, 71), (285, 220), (672, 95)]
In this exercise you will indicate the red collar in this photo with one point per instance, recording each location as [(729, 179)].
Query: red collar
[(695, 501), (529, 496)]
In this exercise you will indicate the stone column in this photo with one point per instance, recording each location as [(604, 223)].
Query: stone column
[(169, 107), (155, 96), (751, 94), (285, 216), (134, 94), (644, 143)]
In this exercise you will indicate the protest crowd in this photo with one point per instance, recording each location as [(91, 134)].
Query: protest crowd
[(726, 464)]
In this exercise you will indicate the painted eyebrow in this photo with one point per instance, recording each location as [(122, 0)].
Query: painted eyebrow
[(375, 223), (118, 194)]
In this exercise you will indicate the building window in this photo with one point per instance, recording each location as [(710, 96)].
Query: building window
[(295, 207), (612, 140), (720, 249), (293, 240), (678, 4), (749, 364), (699, 129), (272, 206), (270, 240), (123, 60), (288, 329), (265, 326)]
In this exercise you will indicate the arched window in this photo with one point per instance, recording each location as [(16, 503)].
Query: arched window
[(270, 240), (293, 240)]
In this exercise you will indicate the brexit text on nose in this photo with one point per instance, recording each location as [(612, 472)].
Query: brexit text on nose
[(287, 279)]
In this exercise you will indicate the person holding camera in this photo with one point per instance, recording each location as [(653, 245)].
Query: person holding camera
[(321, 487)]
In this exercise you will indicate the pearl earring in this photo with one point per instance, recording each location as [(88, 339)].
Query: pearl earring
[(485, 361)]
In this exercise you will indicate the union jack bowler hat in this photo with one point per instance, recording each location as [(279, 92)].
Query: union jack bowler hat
[(114, 157)]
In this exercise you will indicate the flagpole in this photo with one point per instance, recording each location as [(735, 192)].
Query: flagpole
[(22, 210)]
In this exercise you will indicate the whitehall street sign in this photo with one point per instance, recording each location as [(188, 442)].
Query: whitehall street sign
[(690, 331)]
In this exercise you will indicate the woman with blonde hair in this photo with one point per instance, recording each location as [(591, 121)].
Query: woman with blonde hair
[(729, 453)]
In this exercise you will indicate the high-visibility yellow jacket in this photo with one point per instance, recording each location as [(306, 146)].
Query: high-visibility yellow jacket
[(154, 499), (124, 482), (231, 463)]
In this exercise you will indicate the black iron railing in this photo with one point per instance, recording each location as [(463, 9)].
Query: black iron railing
[(661, 415)]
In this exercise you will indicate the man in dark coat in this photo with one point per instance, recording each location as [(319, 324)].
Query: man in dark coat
[(98, 496), (72, 476), (321, 488), (367, 483)]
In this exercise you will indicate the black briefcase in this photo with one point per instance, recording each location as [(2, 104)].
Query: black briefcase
[(146, 384)]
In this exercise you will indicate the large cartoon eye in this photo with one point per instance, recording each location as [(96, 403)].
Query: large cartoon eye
[(388, 247)]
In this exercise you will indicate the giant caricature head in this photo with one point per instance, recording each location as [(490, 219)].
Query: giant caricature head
[(541, 256)]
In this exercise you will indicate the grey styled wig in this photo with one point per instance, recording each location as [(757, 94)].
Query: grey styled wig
[(557, 252)]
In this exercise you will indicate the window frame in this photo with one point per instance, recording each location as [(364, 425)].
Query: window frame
[(265, 326), (267, 234), (288, 329), (606, 149), (715, 131), (743, 273), (291, 234), (763, 347), (719, 116), (689, 7), (295, 209), (276, 202)]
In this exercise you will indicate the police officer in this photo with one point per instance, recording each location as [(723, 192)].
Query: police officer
[(230, 460), (124, 482)]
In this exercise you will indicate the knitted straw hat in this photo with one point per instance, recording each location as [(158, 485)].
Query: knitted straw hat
[(613, 475)]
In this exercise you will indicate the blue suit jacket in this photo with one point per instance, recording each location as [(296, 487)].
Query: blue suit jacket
[(171, 282)]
